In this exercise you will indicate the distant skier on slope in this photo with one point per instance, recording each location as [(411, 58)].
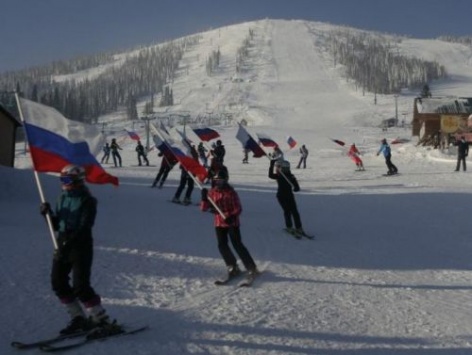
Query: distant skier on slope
[(354, 153), (385, 149)]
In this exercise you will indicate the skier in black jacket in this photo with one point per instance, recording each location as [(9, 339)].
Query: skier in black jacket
[(462, 153), (287, 183)]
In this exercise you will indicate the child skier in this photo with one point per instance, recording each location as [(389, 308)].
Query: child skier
[(354, 155), (141, 154), (227, 200), (287, 183), (73, 219)]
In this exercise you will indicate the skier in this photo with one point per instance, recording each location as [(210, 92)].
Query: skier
[(114, 152), (202, 154), (385, 148), (141, 154), (167, 163), (106, 153), (462, 153), (73, 219), (219, 151), (286, 184), (303, 156), (226, 198), (354, 155)]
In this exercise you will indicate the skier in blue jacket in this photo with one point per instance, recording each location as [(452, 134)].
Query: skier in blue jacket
[(385, 149)]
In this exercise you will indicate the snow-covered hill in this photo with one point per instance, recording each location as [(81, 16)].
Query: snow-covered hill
[(388, 273)]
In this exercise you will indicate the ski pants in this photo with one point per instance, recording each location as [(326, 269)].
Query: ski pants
[(116, 156), (289, 206), (391, 167), (162, 175), (302, 162), (75, 258), (142, 155), (185, 179), (222, 234), (461, 158)]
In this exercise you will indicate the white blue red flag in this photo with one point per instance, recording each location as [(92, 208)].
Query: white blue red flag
[(291, 142), (206, 134), (249, 143), (55, 142), (133, 135), (171, 148), (265, 140)]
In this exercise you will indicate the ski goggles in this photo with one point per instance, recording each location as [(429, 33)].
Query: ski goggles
[(67, 180)]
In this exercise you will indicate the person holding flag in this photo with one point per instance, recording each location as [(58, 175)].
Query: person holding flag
[(167, 163), (61, 145), (73, 218), (225, 201), (287, 184), (354, 153), (115, 153)]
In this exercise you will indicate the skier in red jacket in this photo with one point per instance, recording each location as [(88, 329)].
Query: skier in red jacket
[(227, 200), (354, 155)]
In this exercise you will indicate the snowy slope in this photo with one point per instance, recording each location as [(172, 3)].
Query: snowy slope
[(389, 271)]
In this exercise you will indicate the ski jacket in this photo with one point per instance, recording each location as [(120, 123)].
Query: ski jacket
[(385, 149), (219, 153), (227, 200), (462, 148), (106, 149), (140, 149), (304, 152), (75, 213), (114, 147), (283, 181)]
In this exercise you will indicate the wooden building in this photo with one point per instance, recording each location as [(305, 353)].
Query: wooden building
[(445, 116), (8, 126)]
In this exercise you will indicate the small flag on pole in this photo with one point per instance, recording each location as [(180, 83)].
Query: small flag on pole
[(341, 143), (291, 142), (133, 135)]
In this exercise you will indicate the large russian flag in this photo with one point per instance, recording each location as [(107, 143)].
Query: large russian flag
[(55, 142), (249, 143), (265, 140), (206, 134)]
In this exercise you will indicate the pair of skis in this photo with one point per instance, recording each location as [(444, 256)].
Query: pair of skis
[(246, 282), (82, 338), (298, 235)]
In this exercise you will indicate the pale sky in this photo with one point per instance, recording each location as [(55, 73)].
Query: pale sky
[(37, 32)]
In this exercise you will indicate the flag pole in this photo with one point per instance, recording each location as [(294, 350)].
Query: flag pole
[(156, 131), (37, 179)]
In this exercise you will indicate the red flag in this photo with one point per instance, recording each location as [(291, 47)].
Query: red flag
[(341, 143)]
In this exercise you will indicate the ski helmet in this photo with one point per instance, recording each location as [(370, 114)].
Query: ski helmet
[(72, 174), (222, 174)]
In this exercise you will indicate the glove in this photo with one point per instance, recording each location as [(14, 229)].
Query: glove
[(45, 208), (229, 220), (204, 194)]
